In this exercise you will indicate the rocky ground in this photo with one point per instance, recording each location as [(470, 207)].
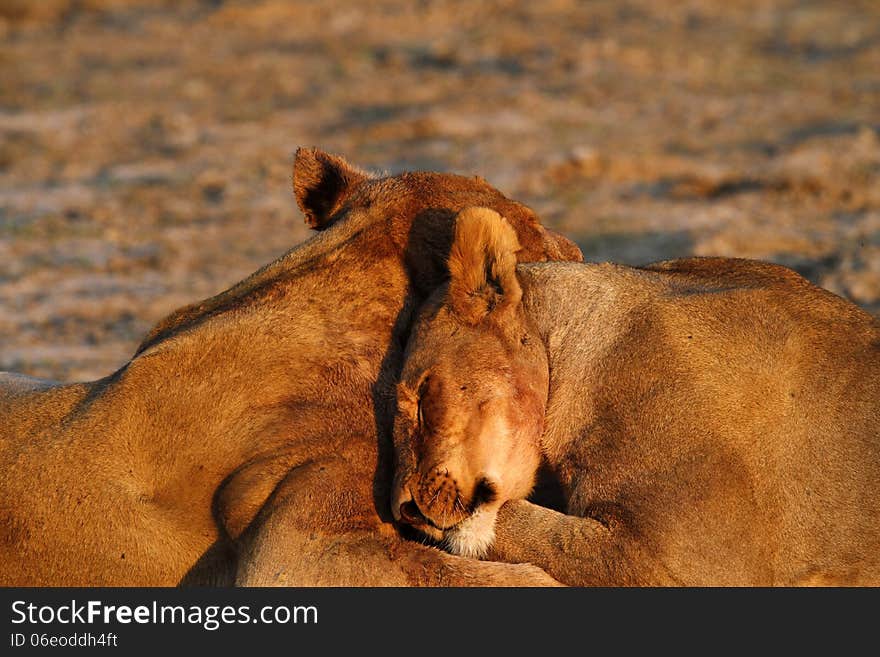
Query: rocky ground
[(145, 146)]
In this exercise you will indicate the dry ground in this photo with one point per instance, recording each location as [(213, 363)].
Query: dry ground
[(145, 146)]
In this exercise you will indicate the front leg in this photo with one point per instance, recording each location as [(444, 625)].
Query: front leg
[(577, 551)]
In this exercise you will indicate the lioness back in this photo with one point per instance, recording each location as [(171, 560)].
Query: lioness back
[(739, 371)]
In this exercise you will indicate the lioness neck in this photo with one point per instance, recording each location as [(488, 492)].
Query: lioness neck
[(579, 310), (277, 374)]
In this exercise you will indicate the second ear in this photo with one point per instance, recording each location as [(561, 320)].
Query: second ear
[(321, 183)]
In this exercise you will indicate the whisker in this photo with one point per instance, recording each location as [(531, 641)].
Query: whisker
[(433, 499)]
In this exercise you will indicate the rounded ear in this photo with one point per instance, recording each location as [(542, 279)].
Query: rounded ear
[(321, 183), (482, 265)]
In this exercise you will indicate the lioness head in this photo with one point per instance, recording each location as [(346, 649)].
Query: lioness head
[(413, 211), (472, 394)]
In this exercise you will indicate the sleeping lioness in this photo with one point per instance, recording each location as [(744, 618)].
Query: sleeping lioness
[(246, 439), (710, 421)]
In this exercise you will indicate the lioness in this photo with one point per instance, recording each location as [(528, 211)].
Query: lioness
[(711, 421), (247, 440)]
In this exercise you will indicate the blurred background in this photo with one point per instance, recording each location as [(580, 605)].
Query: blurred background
[(146, 145)]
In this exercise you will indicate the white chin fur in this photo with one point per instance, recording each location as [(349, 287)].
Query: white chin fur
[(473, 536)]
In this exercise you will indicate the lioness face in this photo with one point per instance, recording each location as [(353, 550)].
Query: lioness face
[(472, 394)]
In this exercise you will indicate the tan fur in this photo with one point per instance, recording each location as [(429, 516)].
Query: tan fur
[(709, 421), (247, 440), (480, 263)]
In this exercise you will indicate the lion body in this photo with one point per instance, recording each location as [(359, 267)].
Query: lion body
[(245, 440), (703, 421), (717, 419)]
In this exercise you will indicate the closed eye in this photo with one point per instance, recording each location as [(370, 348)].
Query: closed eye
[(420, 413)]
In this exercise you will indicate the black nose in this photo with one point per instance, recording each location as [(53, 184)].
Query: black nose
[(485, 492), (410, 513)]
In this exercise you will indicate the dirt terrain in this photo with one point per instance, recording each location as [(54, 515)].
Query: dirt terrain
[(146, 146)]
